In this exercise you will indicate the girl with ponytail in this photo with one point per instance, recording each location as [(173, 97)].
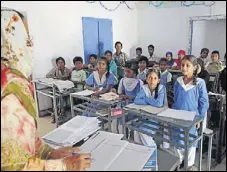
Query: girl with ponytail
[(154, 94), (190, 94)]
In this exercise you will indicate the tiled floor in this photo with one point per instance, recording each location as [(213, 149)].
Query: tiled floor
[(45, 126)]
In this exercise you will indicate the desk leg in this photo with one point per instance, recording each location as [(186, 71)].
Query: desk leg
[(72, 104), (123, 125), (109, 119), (209, 152), (186, 150), (37, 100), (200, 146), (55, 105)]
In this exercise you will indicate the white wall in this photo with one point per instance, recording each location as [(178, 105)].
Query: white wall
[(209, 34), (57, 28), (167, 28)]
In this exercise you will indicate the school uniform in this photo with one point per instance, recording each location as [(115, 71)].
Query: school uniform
[(145, 97), (113, 67), (142, 75), (94, 81), (190, 98), (166, 77), (79, 75)]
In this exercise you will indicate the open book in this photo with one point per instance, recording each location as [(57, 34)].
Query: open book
[(146, 108), (72, 131), (113, 154)]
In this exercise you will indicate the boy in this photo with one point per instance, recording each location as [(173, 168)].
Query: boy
[(203, 56), (138, 53), (166, 76), (216, 65), (166, 80), (93, 63), (142, 71), (78, 75), (112, 66)]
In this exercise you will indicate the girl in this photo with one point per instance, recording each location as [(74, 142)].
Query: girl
[(128, 88), (171, 62), (153, 94), (181, 54), (190, 94), (101, 81)]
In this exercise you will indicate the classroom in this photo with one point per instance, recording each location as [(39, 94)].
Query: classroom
[(113, 85)]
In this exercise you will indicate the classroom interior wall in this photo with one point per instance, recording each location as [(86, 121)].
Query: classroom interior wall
[(168, 28), (56, 28), (210, 34)]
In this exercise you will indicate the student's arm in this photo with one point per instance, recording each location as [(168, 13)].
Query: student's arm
[(169, 77), (89, 82), (51, 74), (140, 98), (159, 102), (120, 87), (203, 98)]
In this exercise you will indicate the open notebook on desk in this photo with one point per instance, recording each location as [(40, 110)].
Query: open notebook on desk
[(109, 153), (146, 108)]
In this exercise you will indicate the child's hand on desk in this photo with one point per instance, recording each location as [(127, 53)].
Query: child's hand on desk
[(124, 97), (63, 152), (78, 162), (95, 89), (96, 94)]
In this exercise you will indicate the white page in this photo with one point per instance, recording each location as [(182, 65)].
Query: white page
[(97, 139), (153, 110), (178, 114), (132, 158), (84, 93), (106, 153), (134, 106)]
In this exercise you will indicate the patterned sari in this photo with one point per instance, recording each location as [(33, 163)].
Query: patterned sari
[(21, 149)]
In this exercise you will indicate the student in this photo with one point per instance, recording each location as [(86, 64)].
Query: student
[(203, 56), (100, 81), (78, 76), (216, 65), (60, 72), (219, 84), (63, 73), (113, 66), (142, 71), (166, 76), (190, 94), (120, 59), (138, 52), (202, 73), (181, 54), (154, 94), (93, 63), (171, 61), (101, 78), (129, 86)]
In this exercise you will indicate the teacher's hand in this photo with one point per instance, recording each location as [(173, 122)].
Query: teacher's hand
[(63, 152), (78, 162)]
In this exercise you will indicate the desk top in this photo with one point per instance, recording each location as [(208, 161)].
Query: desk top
[(97, 100), (175, 122)]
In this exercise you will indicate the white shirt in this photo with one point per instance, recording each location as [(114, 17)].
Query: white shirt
[(169, 76)]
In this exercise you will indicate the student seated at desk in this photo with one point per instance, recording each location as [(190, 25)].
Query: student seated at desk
[(78, 76), (171, 62), (93, 63), (181, 54), (63, 73), (142, 71), (60, 72), (216, 65), (190, 94), (154, 94), (202, 73), (113, 65), (166, 76)]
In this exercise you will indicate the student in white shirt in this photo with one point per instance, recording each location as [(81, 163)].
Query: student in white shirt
[(142, 71)]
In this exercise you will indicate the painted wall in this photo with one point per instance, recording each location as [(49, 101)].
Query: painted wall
[(167, 28), (210, 34), (56, 28)]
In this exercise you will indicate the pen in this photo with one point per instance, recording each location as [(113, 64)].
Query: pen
[(75, 153)]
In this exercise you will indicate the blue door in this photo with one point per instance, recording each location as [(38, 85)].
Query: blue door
[(97, 36)]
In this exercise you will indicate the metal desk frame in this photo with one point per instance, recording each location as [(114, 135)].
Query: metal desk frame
[(166, 123), (90, 111), (52, 92)]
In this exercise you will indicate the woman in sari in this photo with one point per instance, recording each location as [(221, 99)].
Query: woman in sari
[(21, 149)]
